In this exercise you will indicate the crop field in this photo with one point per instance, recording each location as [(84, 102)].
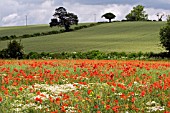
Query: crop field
[(30, 29), (84, 86), (117, 36)]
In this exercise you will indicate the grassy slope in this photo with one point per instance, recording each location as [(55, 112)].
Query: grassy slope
[(120, 36), (30, 29)]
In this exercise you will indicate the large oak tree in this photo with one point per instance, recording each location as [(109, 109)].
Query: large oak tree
[(63, 18)]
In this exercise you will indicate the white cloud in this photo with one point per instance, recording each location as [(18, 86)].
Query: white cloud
[(12, 12), (11, 19), (119, 10), (86, 15), (17, 10), (8, 7), (41, 14), (90, 13), (153, 12)]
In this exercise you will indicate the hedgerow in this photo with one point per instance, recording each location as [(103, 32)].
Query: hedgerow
[(94, 54), (47, 33)]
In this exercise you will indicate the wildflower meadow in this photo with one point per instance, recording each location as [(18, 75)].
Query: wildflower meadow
[(84, 86)]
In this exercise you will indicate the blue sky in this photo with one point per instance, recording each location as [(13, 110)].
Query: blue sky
[(13, 12)]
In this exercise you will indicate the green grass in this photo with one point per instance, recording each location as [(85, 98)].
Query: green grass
[(30, 29), (119, 36), (21, 30)]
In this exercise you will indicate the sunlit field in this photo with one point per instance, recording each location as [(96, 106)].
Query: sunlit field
[(84, 86), (110, 37)]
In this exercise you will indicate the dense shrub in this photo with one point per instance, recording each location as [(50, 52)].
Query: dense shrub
[(4, 38), (77, 28), (33, 55), (92, 24), (14, 50), (26, 36), (36, 34), (52, 32), (13, 37), (165, 35), (4, 54), (95, 54)]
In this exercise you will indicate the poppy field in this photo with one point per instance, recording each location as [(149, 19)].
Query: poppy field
[(84, 86)]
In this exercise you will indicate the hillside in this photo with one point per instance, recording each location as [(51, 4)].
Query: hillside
[(30, 29), (118, 36)]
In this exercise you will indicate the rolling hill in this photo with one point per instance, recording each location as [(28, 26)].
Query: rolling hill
[(109, 37)]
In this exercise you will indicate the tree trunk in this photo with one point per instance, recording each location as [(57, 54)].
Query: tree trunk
[(67, 27), (110, 21)]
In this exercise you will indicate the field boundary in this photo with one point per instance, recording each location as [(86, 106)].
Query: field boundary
[(47, 33)]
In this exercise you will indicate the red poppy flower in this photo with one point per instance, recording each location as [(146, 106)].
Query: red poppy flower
[(133, 99), (143, 93), (113, 89), (107, 107), (98, 111), (63, 109), (38, 99), (89, 91), (65, 97), (20, 88), (54, 111), (96, 106), (168, 104), (123, 96), (115, 108), (1, 99), (57, 99)]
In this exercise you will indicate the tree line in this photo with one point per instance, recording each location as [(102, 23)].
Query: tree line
[(63, 18)]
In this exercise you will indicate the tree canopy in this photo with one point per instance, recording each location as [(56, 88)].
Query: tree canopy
[(13, 50), (165, 35), (137, 14), (109, 16), (63, 18)]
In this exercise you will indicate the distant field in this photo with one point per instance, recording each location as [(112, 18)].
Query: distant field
[(119, 36), (30, 29)]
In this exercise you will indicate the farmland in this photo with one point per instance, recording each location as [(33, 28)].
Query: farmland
[(118, 36), (96, 86), (30, 29)]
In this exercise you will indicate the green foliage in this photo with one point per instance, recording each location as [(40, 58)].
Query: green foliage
[(4, 54), (33, 55), (109, 16), (96, 54), (168, 20), (63, 18), (26, 36), (137, 14), (165, 35), (14, 50)]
